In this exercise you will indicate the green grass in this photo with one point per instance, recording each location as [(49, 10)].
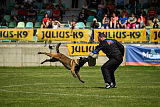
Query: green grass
[(56, 87)]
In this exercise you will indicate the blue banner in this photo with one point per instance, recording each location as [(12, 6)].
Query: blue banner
[(142, 55)]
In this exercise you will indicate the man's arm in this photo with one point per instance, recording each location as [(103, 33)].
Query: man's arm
[(121, 47), (95, 52)]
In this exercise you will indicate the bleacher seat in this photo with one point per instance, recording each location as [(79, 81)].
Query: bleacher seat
[(7, 18), (88, 25), (146, 10), (90, 18), (12, 25), (93, 10), (37, 25), (29, 25), (3, 26), (149, 27), (40, 18), (100, 25), (21, 25), (42, 12), (120, 10), (80, 25)]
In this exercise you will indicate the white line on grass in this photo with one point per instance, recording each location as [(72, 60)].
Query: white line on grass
[(81, 95), (21, 85)]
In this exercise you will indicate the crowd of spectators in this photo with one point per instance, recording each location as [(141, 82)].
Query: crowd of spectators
[(129, 17), (29, 10)]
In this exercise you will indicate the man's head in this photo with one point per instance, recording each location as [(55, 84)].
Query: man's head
[(101, 37), (94, 20)]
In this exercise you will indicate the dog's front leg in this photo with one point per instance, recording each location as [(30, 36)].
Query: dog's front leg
[(72, 70)]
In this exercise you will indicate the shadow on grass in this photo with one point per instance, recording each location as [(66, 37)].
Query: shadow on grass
[(81, 87)]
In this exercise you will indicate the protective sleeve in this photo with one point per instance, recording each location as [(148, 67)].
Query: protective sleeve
[(97, 49), (121, 47)]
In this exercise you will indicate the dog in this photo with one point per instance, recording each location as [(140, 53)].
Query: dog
[(73, 65)]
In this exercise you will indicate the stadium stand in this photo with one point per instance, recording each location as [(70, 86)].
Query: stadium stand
[(66, 15)]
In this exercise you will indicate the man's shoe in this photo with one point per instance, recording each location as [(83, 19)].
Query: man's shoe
[(113, 85), (108, 86)]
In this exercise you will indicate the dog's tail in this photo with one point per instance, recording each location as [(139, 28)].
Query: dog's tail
[(57, 47)]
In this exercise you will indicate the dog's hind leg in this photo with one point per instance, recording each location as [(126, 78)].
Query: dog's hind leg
[(77, 73), (47, 60), (54, 55)]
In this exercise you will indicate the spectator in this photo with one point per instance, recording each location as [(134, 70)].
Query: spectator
[(142, 12), (101, 5), (56, 24), (110, 6), (151, 13), (50, 23), (93, 4), (105, 22), (114, 21), (123, 21), (132, 21), (94, 24), (45, 21), (155, 22), (85, 6), (14, 14), (124, 11), (100, 14), (82, 16), (48, 10), (51, 6), (28, 3), (56, 13), (22, 13), (62, 9), (31, 15), (116, 12), (73, 22), (107, 11), (141, 21), (34, 5)]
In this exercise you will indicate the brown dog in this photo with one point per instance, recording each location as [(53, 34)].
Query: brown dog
[(71, 64)]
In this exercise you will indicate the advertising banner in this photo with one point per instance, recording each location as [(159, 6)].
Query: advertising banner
[(142, 55), (155, 35), (16, 34), (63, 35), (126, 35), (82, 49)]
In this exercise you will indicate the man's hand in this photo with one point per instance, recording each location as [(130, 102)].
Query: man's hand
[(93, 55)]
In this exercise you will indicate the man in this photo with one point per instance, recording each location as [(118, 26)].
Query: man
[(123, 21), (115, 52), (94, 25), (31, 15)]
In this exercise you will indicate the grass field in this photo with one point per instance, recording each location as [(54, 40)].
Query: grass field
[(56, 87)]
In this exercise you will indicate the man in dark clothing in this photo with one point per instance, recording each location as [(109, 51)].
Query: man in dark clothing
[(115, 52)]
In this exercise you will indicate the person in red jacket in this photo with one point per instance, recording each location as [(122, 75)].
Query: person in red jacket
[(141, 21), (45, 21), (151, 13)]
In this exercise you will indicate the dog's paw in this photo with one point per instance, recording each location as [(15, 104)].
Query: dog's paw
[(82, 81), (74, 75)]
